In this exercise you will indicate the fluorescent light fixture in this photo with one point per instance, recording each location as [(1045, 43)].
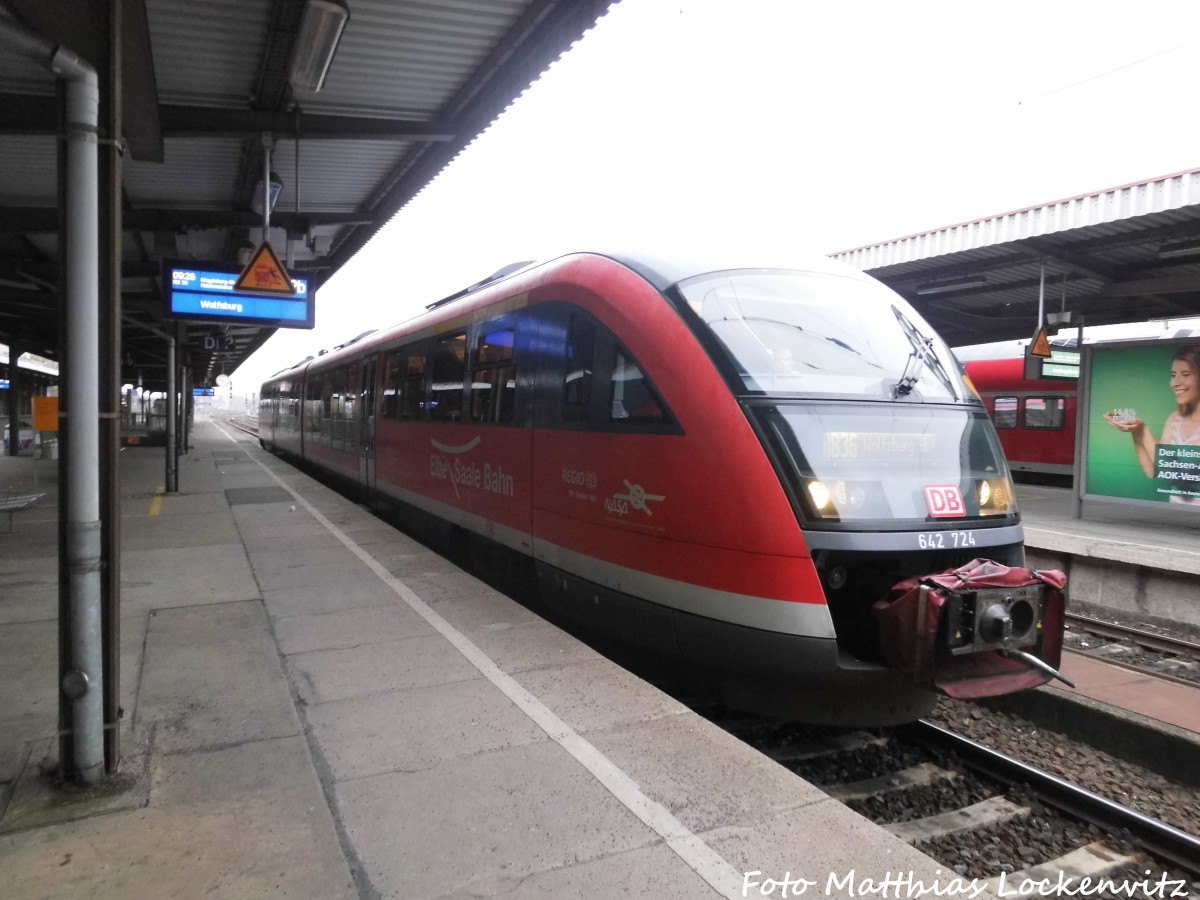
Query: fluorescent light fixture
[(256, 200), (942, 287), (320, 30), (1172, 249)]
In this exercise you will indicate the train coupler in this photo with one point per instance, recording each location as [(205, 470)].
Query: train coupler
[(980, 630), (1041, 666)]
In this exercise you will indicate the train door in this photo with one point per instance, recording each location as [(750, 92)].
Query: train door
[(366, 423), (278, 398)]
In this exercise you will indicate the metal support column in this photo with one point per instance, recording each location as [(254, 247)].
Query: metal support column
[(109, 382), (185, 402), (172, 405), (15, 385)]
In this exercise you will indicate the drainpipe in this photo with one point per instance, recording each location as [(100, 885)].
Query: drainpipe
[(83, 683)]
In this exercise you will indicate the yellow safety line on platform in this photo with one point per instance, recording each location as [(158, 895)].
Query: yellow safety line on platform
[(156, 505)]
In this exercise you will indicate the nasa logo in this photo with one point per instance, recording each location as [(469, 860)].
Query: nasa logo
[(944, 501), (616, 505)]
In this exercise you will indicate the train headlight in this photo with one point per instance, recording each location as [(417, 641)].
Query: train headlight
[(821, 497), (828, 498), (995, 497)]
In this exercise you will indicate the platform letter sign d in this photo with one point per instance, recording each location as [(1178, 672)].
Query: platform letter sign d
[(944, 501)]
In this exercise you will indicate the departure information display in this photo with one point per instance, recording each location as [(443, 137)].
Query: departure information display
[(206, 294)]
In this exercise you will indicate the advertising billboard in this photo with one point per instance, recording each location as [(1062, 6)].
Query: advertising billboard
[(1143, 422)]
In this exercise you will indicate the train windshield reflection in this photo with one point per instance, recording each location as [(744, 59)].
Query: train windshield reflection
[(816, 333), (874, 463)]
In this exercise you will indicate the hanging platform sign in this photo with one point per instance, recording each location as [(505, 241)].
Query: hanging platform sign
[(265, 274), (208, 292), (1040, 345)]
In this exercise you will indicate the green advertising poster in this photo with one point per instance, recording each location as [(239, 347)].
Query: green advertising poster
[(1143, 425)]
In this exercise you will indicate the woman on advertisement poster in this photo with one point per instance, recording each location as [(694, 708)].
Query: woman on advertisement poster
[(1182, 427)]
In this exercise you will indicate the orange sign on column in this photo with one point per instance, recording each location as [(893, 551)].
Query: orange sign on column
[(45, 414), (265, 274)]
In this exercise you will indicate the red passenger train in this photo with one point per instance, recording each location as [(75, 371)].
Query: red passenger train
[(1034, 417), (729, 465)]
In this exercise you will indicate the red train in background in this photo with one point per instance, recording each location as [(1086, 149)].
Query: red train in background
[(1034, 418), (729, 465)]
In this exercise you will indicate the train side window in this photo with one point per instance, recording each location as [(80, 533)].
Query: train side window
[(337, 413), (494, 377), (289, 406), (392, 385), (1045, 412), (413, 396), (327, 402), (350, 405), (449, 370), (1004, 412), (632, 397), (312, 405), (577, 381)]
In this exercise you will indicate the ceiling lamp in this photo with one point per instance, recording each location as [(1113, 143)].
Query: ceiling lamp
[(320, 30), (274, 186), (1172, 249), (942, 287)]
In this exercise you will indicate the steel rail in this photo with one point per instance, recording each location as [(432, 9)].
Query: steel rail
[(240, 425), (1162, 840), (1137, 636)]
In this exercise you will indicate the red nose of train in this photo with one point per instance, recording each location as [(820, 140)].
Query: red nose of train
[(980, 630)]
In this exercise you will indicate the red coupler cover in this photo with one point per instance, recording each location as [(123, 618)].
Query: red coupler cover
[(908, 631)]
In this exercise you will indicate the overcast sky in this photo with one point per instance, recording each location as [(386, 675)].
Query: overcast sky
[(823, 126)]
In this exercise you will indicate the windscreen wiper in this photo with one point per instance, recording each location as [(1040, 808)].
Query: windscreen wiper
[(922, 354)]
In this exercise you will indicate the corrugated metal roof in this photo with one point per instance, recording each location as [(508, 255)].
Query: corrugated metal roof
[(25, 179), (411, 58), (1111, 205), (195, 174), (447, 67), (1101, 254), (207, 52)]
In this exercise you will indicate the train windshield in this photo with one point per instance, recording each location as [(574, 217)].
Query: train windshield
[(889, 463), (790, 332)]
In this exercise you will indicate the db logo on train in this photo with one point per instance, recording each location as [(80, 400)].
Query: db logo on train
[(944, 501)]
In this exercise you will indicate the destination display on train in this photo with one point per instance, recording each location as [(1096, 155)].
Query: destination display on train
[(206, 294), (875, 445)]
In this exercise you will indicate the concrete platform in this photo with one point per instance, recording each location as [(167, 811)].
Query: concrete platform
[(317, 706), (1118, 558)]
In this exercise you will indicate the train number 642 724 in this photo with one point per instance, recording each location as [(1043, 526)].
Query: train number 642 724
[(941, 540)]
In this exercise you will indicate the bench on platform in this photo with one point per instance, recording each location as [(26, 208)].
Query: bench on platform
[(14, 503)]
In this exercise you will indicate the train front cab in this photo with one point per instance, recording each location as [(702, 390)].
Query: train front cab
[(889, 461)]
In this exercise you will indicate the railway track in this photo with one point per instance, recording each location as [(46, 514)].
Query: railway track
[(981, 813), (241, 423), (1164, 656), (1162, 841)]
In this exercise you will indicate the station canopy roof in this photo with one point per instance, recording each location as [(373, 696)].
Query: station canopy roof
[(411, 84), (1120, 255)]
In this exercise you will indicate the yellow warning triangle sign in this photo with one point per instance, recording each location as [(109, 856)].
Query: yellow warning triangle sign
[(265, 274), (1041, 344)]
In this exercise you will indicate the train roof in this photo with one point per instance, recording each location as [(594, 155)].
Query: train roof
[(661, 270), (664, 270)]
